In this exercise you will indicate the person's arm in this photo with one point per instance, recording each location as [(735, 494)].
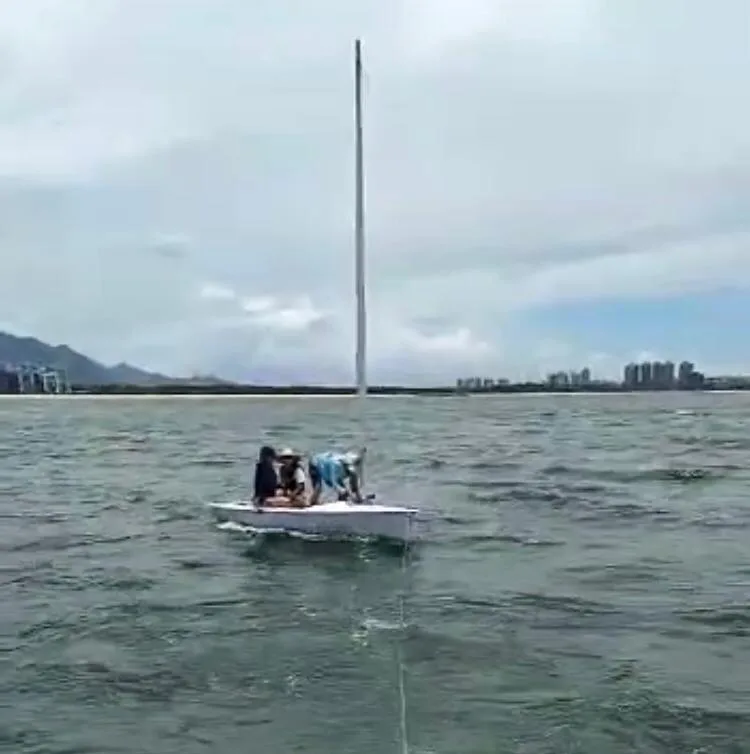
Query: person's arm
[(341, 487), (257, 481), (354, 483), (300, 479), (299, 494)]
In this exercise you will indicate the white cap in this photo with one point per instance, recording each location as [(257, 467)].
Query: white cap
[(288, 453), (351, 458)]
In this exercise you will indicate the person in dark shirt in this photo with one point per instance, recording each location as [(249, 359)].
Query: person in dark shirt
[(266, 486)]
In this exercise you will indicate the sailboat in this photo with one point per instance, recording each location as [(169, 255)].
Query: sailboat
[(335, 519)]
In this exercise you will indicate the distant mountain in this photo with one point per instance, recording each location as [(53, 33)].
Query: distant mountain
[(81, 369)]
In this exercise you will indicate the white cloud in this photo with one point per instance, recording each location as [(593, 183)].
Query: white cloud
[(217, 292), (298, 317), (258, 305), (457, 343), (434, 27), (660, 270), (176, 178), (267, 312)]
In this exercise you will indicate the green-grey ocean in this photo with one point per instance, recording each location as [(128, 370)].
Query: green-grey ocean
[(584, 586)]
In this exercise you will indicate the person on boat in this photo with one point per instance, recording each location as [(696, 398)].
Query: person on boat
[(340, 472), (294, 484), (266, 485)]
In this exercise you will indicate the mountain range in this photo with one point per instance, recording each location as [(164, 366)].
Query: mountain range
[(82, 370)]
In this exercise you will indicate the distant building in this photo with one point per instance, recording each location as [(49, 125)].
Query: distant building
[(669, 374), (466, 384), (9, 382), (574, 379), (730, 382), (558, 380), (685, 373), (688, 377), (36, 379), (662, 375)]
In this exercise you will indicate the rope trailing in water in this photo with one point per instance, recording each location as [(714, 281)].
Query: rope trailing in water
[(404, 733)]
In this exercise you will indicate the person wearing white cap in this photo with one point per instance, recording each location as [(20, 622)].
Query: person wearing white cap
[(340, 472), (293, 478)]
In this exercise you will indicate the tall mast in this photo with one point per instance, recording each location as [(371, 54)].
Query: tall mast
[(359, 229)]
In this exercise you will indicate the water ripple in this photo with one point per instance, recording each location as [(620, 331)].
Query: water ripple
[(584, 586)]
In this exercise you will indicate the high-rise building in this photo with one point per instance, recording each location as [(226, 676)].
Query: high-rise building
[(9, 381), (685, 373), (558, 380), (662, 374), (669, 373), (630, 375), (689, 378)]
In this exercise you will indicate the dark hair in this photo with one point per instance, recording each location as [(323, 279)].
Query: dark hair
[(267, 453)]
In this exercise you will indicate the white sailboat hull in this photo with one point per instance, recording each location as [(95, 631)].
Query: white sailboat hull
[(327, 519)]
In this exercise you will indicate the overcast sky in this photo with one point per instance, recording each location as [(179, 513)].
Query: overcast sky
[(549, 183)]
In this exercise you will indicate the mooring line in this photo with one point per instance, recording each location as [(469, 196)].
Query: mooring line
[(403, 729)]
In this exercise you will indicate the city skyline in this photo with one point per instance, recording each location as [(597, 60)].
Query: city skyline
[(644, 375)]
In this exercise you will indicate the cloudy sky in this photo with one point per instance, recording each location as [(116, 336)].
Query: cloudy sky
[(549, 184)]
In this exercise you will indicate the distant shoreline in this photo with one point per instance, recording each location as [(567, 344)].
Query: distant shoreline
[(79, 397), (293, 391)]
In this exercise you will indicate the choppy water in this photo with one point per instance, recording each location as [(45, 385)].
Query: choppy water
[(585, 587)]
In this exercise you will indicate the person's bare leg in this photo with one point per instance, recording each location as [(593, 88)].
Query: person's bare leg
[(298, 501), (277, 502)]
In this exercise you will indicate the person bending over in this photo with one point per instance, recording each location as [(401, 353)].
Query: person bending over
[(339, 472)]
